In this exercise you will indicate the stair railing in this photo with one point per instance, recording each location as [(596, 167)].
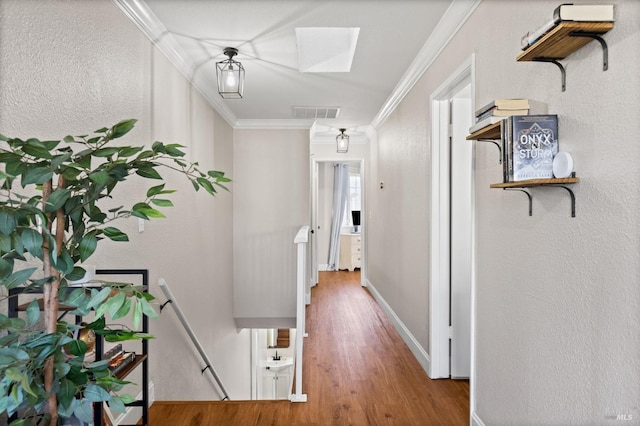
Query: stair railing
[(301, 240), (208, 365)]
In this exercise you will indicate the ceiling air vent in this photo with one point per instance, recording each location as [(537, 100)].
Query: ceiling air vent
[(316, 112)]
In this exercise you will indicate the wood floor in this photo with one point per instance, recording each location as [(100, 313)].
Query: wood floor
[(357, 371)]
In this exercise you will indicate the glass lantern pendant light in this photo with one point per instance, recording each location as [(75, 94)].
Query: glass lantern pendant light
[(230, 75), (342, 142)]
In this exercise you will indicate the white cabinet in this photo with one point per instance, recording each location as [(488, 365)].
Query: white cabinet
[(350, 251), (276, 384)]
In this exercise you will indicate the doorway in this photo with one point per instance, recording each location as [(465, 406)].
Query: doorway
[(321, 211), (452, 257)]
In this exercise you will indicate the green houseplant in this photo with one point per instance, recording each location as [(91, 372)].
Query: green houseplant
[(52, 196)]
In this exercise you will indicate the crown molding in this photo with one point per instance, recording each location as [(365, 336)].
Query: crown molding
[(452, 20), (140, 14)]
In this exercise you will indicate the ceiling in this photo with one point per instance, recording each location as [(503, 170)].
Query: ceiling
[(393, 40)]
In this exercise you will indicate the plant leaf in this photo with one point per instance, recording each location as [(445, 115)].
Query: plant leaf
[(37, 175), (100, 177), (32, 241), (33, 312), (116, 404), (84, 410), (155, 190), (162, 203), (122, 128), (149, 172), (57, 199), (115, 234), (66, 393), (95, 393), (208, 186), (17, 278), (98, 297), (87, 246), (8, 221)]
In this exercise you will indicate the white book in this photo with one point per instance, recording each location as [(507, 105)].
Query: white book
[(584, 12), (484, 123)]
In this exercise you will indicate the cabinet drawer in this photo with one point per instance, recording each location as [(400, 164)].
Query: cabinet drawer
[(356, 249), (356, 260)]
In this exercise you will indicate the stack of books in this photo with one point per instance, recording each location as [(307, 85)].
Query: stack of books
[(499, 109), (118, 358), (569, 12)]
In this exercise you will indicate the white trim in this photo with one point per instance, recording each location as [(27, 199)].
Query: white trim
[(439, 278), (142, 16), (452, 20), (476, 420), (323, 267), (418, 351), (438, 295)]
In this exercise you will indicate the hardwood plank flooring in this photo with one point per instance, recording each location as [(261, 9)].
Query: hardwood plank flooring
[(357, 371)]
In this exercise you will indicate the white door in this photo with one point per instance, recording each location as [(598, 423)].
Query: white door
[(461, 234)]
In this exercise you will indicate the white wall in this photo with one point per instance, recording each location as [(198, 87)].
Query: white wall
[(72, 67), (557, 297), (271, 202)]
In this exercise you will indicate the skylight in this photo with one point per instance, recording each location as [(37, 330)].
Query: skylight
[(326, 49)]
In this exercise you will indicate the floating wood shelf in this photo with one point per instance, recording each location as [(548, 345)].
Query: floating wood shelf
[(560, 43), (535, 182), (563, 40), (492, 131)]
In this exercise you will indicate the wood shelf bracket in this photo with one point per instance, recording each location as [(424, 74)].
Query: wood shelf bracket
[(528, 196)]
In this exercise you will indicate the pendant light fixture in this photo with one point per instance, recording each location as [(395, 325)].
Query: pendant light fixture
[(230, 75), (342, 142)]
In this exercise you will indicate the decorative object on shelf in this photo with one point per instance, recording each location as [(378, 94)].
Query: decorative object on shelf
[(562, 165), (230, 75), (342, 142), (58, 224)]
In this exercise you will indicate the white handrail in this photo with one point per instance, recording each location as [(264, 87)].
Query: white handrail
[(301, 240), (171, 299)]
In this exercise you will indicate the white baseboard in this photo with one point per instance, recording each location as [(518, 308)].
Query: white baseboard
[(475, 420), (133, 414), (324, 267), (418, 351)]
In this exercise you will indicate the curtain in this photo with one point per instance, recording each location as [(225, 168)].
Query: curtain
[(340, 195)]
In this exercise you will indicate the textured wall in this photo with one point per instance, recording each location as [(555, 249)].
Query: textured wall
[(271, 202), (72, 67), (557, 297)]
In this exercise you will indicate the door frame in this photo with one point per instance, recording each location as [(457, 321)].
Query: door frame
[(314, 213), (439, 298)]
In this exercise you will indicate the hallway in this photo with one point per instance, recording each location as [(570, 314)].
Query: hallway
[(357, 371)]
